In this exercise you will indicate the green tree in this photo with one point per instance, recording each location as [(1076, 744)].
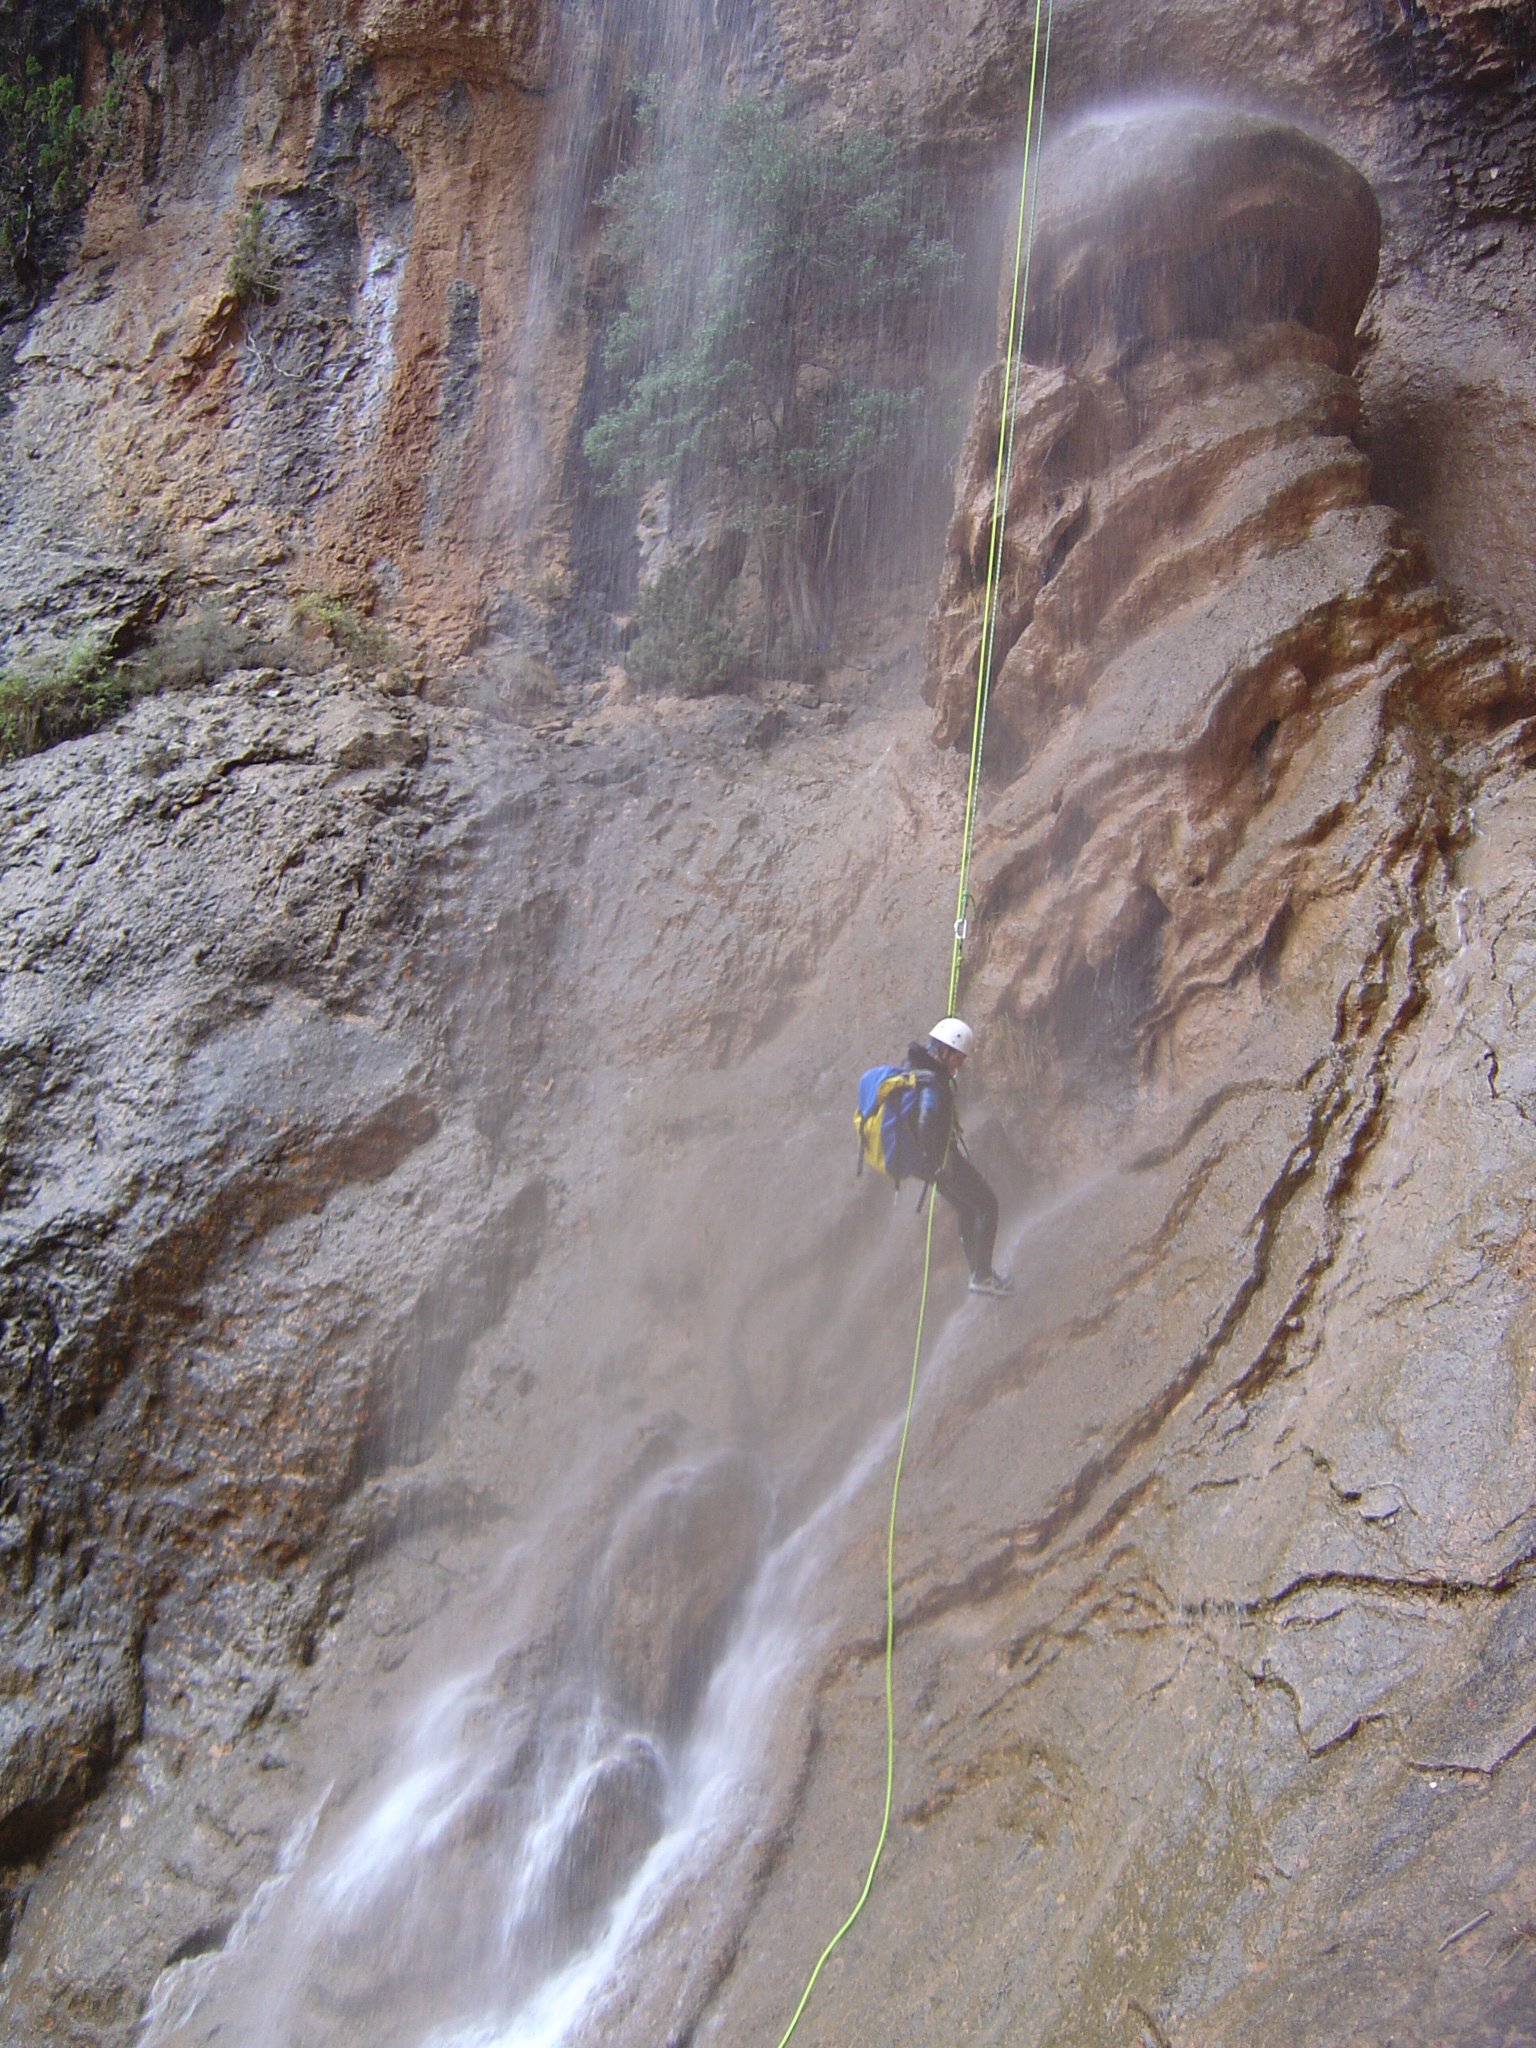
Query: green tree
[(50, 153), (759, 360)]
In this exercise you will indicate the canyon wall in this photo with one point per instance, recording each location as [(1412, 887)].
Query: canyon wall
[(429, 1240), (401, 428)]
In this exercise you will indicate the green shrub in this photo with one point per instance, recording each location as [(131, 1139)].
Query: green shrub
[(253, 270), (41, 703), (687, 637), (359, 640), (51, 152), (61, 699)]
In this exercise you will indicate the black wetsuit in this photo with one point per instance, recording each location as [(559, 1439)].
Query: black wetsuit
[(953, 1174)]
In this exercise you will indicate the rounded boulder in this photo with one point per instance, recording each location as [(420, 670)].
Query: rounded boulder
[(1161, 222)]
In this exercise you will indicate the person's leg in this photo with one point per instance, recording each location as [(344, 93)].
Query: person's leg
[(951, 1185), (985, 1234), (975, 1206)]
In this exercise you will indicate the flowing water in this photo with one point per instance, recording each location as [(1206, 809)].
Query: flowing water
[(518, 1872), (548, 1816), (469, 1902)]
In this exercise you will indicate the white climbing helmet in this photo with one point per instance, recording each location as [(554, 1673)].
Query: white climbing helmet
[(955, 1033)]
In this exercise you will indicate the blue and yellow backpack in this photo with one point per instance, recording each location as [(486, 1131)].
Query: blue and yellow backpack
[(886, 1121)]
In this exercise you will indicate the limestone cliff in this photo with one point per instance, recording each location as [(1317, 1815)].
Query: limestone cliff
[(401, 428), (450, 1375)]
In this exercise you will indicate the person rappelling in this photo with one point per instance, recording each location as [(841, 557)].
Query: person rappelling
[(906, 1116), (908, 1130)]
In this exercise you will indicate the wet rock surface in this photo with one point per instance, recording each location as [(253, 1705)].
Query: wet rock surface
[(450, 1374), (401, 428), (1293, 1401), (259, 1358), (1432, 104), (1210, 1673), (1156, 225), (199, 1123), (671, 1583), (1215, 657)]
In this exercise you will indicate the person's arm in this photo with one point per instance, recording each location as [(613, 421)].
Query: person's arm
[(933, 1119)]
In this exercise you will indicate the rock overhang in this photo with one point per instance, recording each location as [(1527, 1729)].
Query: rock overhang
[(1179, 220)]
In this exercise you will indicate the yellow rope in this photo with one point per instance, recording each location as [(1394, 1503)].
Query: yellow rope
[(890, 1638), (1033, 133)]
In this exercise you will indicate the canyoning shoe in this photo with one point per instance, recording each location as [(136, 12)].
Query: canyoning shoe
[(991, 1283)]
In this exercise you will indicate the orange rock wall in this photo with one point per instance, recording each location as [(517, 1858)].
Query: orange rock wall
[(192, 410)]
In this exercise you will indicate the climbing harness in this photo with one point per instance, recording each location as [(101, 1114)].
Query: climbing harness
[(1029, 192)]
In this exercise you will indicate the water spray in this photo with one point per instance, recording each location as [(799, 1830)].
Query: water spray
[(965, 907)]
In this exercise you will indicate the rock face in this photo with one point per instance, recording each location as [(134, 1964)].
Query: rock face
[(201, 1123), (1243, 881), (286, 1113), (671, 1584), (1169, 409), (1155, 225), (449, 1370), (401, 428), (1209, 639), (342, 439), (1432, 104)]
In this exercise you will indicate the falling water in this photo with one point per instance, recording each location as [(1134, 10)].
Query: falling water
[(502, 1888), (605, 54), (180, 1989), (509, 1883)]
